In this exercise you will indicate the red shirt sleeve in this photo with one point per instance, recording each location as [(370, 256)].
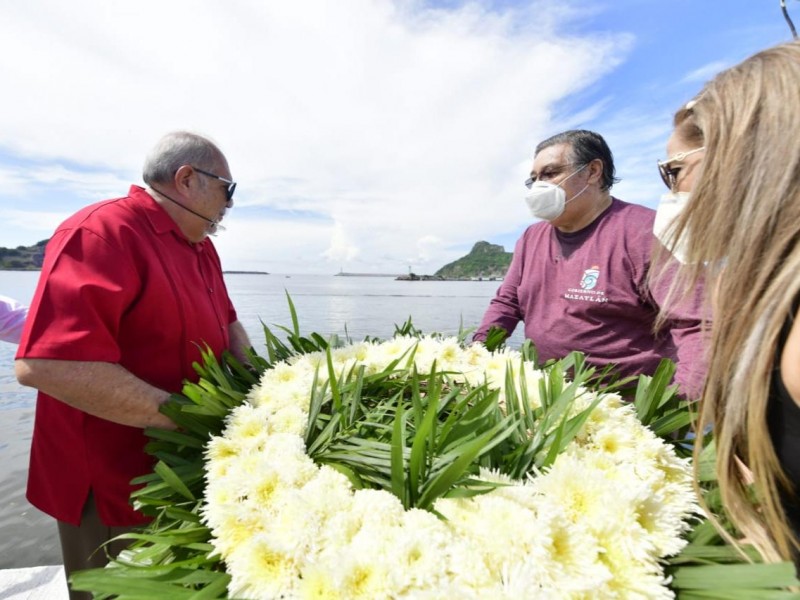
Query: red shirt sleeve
[(79, 272)]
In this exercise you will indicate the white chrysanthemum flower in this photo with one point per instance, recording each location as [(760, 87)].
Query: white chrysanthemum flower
[(368, 509), (233, 528), (421, 545), (291, 526), (328, 493), (617, 441), (637, 580), (585, 493), (318, 583), (360, 577), (427, 351), (496, 366), (397, 348), (246, 422), (221, 453), (259, 571), (290, 419), (378, 507), (571, 562), (309, 364), (496, 531)]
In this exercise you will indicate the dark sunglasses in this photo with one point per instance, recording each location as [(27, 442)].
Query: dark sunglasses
[(231, 184)]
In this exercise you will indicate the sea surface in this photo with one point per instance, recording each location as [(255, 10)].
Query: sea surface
[(347, 306)]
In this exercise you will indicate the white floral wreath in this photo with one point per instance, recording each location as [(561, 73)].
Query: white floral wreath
[(595, 525)]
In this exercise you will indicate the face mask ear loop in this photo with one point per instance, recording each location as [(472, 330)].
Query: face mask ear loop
[(584, 187), (573, 174), (576, 195)]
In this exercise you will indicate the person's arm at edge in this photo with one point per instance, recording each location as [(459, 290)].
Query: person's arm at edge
[(690, 374), (504, 310), (685, 327), (12, 319), (102, 389), (239, 341)]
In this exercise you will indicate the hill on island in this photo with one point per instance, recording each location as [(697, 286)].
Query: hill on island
[(23, 258), (484, 261)]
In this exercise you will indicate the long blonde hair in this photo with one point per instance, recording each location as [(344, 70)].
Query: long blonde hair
[(741, 231)]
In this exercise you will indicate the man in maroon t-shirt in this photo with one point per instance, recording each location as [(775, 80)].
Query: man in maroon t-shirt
[(579, 278), (130, 290)]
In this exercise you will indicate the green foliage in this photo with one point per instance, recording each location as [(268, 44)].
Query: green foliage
[(495, 338)]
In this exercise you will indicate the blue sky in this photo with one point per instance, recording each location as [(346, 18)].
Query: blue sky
[(368, 135)]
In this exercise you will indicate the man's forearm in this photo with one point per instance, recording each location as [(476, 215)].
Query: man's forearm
[(101, 389), (239, 340)]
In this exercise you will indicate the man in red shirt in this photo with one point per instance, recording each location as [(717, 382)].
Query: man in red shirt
[(130, 290)]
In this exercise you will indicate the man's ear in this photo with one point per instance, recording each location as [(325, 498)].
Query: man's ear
[(595, 171), (183, 178)]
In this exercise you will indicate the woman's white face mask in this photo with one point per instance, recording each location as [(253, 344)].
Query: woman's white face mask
[(670, 207), (547, 200)]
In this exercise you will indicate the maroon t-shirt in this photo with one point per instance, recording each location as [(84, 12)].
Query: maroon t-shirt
[(587, 291), (120, 284)]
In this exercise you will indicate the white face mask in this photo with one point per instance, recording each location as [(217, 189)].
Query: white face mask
[(671, 205), (547, 200)]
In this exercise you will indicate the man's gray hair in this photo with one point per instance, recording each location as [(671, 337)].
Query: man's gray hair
[(586, 147), (175, 150)]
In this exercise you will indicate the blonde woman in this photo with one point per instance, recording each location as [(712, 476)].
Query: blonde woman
[(739, 230)]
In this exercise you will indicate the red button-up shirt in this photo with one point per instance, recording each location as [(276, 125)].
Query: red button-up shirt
[(120, 284)]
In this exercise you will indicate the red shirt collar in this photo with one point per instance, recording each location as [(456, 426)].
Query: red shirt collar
[(159, 218)]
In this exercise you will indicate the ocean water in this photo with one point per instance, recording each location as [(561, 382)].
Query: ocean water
[(353, 306)]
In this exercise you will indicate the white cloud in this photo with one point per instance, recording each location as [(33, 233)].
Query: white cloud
[(341, 248), (94, 185), (387, 130), (40, 224), (280, 245), (428, 247), (706, 72)]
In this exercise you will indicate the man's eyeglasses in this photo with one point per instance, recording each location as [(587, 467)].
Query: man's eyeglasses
[(231, 184), (547, 174), (669, 175)]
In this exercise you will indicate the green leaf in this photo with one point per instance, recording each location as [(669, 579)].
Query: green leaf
[(495, 338), (443, 481), (355, 480), (653, 392), (706, 467), (172, 480), (419, 461), (176, 437), (334, 384), (398, 459), (732, 577)]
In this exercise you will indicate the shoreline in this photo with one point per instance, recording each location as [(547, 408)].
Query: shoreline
[(245, 273), (435, 278)]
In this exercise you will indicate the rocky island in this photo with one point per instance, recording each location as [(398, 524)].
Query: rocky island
[(23, 258), (485, 262)]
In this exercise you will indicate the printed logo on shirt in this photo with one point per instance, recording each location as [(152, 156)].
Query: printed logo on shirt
[(586, 292), (590, 277)]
